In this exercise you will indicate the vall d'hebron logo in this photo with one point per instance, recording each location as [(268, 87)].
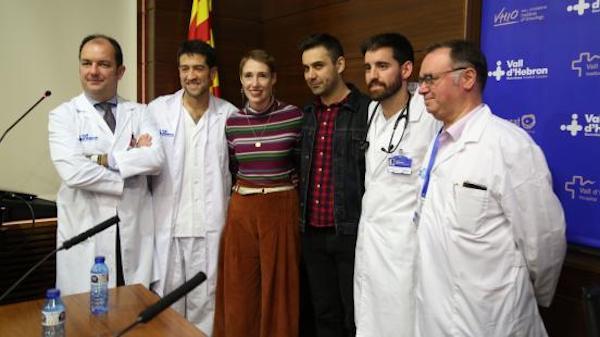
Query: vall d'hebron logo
[(507, 17), (582, 7), (527, 122), (516, 70), (589, 126), (582, 189), (587, 64)]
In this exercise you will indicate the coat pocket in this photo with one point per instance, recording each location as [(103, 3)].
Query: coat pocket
[(470, 206)]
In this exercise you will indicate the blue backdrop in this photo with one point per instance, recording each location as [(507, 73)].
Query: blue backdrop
[(544, 75)]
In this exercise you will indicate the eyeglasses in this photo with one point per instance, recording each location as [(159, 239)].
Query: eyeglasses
[(430, 79)]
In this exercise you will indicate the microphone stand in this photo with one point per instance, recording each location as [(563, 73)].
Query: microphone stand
[(46, 94)]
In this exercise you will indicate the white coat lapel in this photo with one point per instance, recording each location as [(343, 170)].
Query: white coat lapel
[(375, 157), (124, 113), (89, 112), (124, 132), (84, 106), (215, 114), (472, 133), (417, 108), (177, 149), (174, 111)]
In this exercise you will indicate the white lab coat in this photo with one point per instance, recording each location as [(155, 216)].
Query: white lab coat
[(90, 193), (168, 113), (386, 242), (488, 257)]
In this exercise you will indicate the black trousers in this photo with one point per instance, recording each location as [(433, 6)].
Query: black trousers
[(329, 263)]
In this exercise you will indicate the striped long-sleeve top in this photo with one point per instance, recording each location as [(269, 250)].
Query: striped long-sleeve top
[(261, 144)]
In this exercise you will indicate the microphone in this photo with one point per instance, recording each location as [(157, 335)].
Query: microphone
[(66, 245), (171, 298), (90, 232), (46, 94), (156, 308)]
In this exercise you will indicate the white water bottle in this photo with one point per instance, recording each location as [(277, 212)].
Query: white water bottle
[(53, 315)]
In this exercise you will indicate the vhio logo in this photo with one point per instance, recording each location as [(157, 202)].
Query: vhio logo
[(582, 6), (505, 17)]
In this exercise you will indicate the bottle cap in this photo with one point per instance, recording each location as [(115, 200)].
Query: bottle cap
[(99, 259), (53, 293)]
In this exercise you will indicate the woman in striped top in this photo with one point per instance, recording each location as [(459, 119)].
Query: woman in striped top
[(258, 286)]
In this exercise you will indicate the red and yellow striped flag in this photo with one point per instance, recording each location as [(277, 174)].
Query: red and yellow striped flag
[(201, 29)]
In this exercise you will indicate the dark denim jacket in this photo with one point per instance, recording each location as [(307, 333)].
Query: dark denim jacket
[(348, 161)]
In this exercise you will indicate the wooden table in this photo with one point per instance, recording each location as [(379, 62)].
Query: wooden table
[(125, 303)]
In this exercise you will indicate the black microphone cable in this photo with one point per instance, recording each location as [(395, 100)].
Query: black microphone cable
[(26, 238)]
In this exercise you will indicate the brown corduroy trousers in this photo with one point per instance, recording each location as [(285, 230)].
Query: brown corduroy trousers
[(258, 278)]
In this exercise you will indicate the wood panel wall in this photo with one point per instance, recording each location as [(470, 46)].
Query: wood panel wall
[(166, 25), (278, 27), (236, 30), (353, 21)]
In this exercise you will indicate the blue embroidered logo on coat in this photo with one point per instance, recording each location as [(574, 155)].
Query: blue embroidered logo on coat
[(87, 137)]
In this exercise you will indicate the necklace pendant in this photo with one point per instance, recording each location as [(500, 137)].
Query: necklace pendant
[(257, 144)]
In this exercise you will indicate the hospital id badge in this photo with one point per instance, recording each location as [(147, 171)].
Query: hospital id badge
[(400, 164)]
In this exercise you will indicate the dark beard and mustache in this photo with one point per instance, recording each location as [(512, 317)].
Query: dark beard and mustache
[(388, 91)]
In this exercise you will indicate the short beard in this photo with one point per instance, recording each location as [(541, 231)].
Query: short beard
[(198, 95), (388, 91)]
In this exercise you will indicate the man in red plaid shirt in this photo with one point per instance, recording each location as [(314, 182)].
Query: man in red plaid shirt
[(332, 171)]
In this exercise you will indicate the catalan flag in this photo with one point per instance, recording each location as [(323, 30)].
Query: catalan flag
[(201, 29)]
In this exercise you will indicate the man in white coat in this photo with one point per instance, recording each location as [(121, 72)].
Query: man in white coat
[(399, 131), (491, 231), (192, 192), (103, 147)]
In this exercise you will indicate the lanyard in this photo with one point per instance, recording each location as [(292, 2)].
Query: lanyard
[(434, 151)]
